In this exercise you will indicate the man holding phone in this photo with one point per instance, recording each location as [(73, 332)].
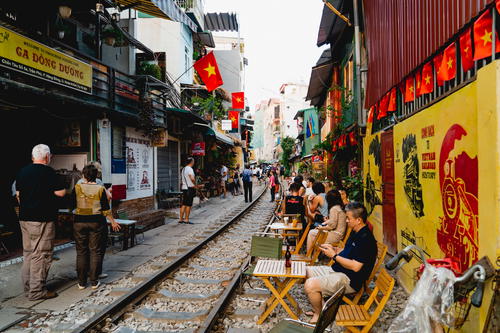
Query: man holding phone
[(353, 264)]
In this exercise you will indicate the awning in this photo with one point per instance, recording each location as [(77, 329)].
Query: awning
[(321, 78), (332, 26), (221, 22), (166, 9), (185, 113), (206, 38), (218, 136)]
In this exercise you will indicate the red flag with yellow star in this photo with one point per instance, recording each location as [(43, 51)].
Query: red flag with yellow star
[(466, 50), (238, 99), (483, 37), (392, 101), (409, 90), (448, 68), (234, 116), (418, 82), (209, 71), (427, 83), (437, 65)]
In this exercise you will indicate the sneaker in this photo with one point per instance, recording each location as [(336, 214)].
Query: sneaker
[(95, 286), (103, 276), (81, 287)]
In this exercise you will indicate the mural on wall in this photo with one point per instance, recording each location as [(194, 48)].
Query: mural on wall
[(458, 178), (372, 198), (412, 186)]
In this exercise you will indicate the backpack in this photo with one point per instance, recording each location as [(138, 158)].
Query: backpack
[(246, 176)]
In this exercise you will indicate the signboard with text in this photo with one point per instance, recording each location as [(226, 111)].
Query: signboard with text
[(24, 55), (226, 124), (139, 157), (198, 149)]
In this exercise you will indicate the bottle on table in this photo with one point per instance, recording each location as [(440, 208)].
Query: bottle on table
[(288, 256)]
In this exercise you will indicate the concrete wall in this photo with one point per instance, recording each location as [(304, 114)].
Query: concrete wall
[(449, 205), (121, 58), (292, 100), (170, 37)]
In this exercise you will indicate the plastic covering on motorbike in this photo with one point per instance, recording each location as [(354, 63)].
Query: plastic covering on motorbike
[(432, 299)]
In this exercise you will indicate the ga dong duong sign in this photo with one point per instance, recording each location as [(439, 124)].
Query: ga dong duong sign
[(27, 56)]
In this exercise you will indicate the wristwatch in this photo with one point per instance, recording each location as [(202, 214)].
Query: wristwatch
[(335, 256)]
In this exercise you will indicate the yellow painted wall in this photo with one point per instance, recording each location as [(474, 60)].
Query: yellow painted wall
[(372, 180), (455, 144)]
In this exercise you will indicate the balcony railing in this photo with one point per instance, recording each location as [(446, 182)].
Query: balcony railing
[(194, 7)]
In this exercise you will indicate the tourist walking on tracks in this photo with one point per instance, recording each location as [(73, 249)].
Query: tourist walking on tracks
[(92, 207), (37, 187), (188, 190), (272, 184), (247, 183), (224, 173)]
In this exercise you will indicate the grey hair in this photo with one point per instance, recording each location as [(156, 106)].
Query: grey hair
[(40, 152)]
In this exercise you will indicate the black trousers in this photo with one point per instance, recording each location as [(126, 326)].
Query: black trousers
[(247, 187), (273, 193), (104, 245), (88, 240)]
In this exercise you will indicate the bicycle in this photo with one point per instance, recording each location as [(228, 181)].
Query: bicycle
[(440, 298)]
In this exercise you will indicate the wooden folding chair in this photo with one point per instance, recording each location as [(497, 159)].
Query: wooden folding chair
[(360, 318), (381, 252), (264, 247), (312, 255), (326, 317)]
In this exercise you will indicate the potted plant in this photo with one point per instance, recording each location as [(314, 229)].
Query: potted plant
[(149, 68), (112, 36)]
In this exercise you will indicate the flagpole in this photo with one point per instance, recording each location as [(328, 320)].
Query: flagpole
[(187, 70)]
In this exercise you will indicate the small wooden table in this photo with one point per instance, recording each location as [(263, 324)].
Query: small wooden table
[(128, 232), (290, 231), (284, 279)]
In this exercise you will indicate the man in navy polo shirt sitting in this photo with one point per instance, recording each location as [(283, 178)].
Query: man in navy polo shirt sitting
[(353, 264)]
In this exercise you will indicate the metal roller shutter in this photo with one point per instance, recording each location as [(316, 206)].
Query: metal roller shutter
[(168, 167)]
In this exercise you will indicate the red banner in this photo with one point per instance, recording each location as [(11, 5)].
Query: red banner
[(198, 148)]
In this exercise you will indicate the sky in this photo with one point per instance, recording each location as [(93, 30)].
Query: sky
[(280, 41)]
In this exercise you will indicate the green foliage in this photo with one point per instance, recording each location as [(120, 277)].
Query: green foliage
[(354, 187), (287, 144), (112, 32), (147, 124), (209, 104), (305, 168), (149, 69)]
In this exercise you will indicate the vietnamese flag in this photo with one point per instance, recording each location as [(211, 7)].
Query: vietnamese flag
[(418, 82), (437, 65), (483, 37), (392, 101), (238, 99), (370, 115), (234, 116), (409, 90), (448, 68), (427, 85), (384, 105), (466, 50), (209, 71)]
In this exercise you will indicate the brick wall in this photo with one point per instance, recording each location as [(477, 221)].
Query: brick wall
[(142, 210)]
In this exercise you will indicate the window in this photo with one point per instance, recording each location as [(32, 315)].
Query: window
[(118, 146), (277, 112)]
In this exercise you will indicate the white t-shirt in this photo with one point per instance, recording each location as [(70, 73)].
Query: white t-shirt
[(225, 170), (186, 180)]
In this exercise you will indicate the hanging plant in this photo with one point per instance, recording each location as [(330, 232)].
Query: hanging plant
[(112, 37), (150, 69), (147, 119)]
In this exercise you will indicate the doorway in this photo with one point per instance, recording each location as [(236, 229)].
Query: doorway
[(388, 193)]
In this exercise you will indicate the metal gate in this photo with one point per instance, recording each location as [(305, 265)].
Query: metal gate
[(168, 167)]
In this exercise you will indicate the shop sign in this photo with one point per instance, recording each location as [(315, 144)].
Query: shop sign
[(27, 56), (198, 148), (226, 124), (139, 158), (161, 138), (317, 158)]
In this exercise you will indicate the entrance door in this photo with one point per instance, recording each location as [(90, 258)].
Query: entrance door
[(388, 201), (168, 167)]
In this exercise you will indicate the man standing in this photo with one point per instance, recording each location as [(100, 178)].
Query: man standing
[(188, 190), (37, 186), (247, 183), (353, 264), (224, 178)]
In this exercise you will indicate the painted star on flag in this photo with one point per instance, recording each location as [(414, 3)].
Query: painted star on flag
[(210, 69)]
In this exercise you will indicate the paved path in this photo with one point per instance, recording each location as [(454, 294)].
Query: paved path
[(62, 275)]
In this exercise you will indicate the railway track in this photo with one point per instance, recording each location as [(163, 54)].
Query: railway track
[(187, 291)]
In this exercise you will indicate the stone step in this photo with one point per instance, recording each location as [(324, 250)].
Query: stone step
[(242, 330), (246, 314), (186, 296), (149, 314), (256, 293)]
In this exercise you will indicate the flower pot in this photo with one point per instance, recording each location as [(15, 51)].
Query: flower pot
[(110, 40)]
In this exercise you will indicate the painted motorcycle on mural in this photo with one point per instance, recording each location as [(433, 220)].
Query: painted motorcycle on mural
[(457, 234)]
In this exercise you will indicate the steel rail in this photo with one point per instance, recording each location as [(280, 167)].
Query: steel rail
[(123, 304)]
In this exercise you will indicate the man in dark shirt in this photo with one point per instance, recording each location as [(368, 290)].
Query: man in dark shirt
[(37, 187), (353, 264)]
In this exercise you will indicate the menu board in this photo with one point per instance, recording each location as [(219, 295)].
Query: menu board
[(139, 159)]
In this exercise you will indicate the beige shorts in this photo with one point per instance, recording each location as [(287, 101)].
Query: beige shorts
[(333, 282)]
